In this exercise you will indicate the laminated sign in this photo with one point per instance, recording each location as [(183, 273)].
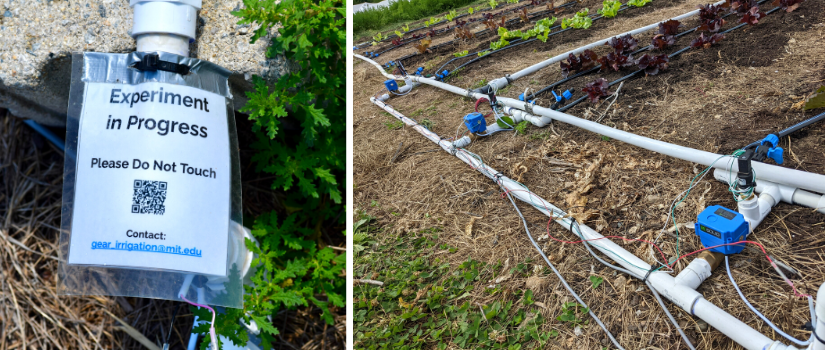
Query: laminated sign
[(151, 174)]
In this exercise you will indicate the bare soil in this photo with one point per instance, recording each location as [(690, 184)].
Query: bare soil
[(717, 100)]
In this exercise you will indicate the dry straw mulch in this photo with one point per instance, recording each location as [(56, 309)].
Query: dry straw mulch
[(34, 316)]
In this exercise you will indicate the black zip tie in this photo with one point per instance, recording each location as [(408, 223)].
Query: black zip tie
[(152, 63), (644, 280)]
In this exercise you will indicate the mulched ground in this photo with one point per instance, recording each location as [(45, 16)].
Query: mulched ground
[(716, 100), (33, 316)]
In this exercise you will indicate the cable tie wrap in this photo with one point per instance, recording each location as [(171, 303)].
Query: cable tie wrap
[(152, 63), (644, 280)]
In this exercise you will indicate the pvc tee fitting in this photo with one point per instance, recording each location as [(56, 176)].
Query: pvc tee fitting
[(165, 25)]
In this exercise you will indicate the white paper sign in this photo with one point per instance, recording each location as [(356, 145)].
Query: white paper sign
[(153, 179)]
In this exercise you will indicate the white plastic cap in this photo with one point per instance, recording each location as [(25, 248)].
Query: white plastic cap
[(178, 17)]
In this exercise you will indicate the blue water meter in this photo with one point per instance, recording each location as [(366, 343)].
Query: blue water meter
[(719, 225), (475, 122), (391, 85)]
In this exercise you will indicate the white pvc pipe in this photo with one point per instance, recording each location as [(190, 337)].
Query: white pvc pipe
[(163, 42), (499, 83), (779, 192), (683, 296), (776, 174), (165, 25), (820, 319)]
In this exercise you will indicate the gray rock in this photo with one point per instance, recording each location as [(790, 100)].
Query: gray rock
[(39, 37)]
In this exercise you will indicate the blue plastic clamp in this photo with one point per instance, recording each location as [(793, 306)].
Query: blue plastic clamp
[(391, 85), (775, 152), (375, 55), (558, 98), (475, 122), (567, 94)]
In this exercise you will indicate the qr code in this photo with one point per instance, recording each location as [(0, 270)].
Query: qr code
[(149, 197)]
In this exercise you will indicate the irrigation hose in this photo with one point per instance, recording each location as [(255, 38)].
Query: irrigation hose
[(561, 278), (775, 328), (548, 35), (677, 53), (482, 32), (591, 70), (523, 42), (792, 129)]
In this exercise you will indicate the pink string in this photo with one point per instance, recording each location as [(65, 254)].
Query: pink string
[(211, 326)]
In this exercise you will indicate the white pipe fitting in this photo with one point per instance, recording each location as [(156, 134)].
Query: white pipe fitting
[(755, 209), (680, 294), (779, 192), (777, 174), (820, 319), (165, 25), (519, 115), (694, 274)]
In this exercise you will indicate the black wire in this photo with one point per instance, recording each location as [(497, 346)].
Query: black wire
[(790, 130), (172, 324)]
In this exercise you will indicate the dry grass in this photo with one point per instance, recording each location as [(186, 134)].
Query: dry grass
[(629, 190), (33, 316)]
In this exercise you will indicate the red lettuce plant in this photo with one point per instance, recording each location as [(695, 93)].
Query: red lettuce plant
[(653, 64), (661, 41), (788, 5), (704, 42), (752, 16), (623, 44), (710, 17), (586, 60), (615, 61), (666, 34), (596, 90)]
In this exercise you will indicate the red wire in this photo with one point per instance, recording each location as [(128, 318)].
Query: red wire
[(670, 266), (479, 101)]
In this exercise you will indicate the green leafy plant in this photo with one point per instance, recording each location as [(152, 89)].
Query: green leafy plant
[(451, 15), (379, 37), (520, 127), (461, 53), (399, 34), (393, 124), (610, 8), (579, 21), (596, 281), (482, 53), (512, 1), (817, 100), (294, 266), (502, 42), (570, 313), (470, 10), (638, 3), (406, 28), (493, 4), (423, 301)]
